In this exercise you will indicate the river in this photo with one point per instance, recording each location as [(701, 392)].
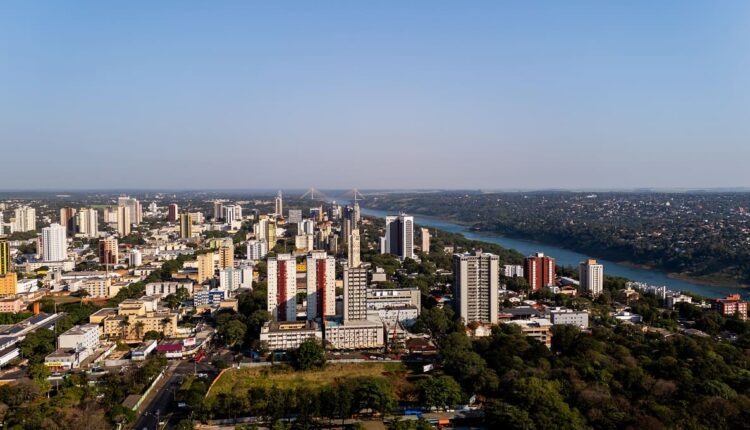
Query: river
[(566, 257)]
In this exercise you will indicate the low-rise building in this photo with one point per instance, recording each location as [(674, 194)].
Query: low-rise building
[(405, 315), (354, 334), (285, 335), (164, 289), (536, 328), (80, 337), (12, 305), (379, 298), (564, 316), (673, 299)]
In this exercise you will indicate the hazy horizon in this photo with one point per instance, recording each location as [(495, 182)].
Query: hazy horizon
[(390, 95)]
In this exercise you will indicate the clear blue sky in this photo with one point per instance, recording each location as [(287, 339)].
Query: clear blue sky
[(379, 94)]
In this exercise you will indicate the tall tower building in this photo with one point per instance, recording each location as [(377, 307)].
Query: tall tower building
[(282, 287), (256, 249), (87, 222), (321, 285), (68, 220), (123, 221), (357, 214), (279, 204), (399, 235), (232, 213), (539, 271), (425, 240), (271, 234), (172, 212), (134, 208), (4, 256), (591, 275), (25, 219), (476, 286), (355, 293), (108, 251), (55, 243), (186, 226), (218, 210), (206, 267), (353, 254), (226, 257)]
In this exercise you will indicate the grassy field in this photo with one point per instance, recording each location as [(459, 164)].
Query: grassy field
[(239, 380)]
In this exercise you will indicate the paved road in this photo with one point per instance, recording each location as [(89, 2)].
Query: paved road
[(159, 405)]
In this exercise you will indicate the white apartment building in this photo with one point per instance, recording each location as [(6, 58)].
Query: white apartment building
[(475, 283), (591, 275), (282, 287), (283, 336), (54, 243), (257, 249)]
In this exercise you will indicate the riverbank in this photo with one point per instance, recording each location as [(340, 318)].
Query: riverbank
[(568, 257)]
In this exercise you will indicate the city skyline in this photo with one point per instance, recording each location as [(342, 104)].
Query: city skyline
[(510, 95)]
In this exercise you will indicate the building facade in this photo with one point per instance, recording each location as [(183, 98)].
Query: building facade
[(321, 285), (475, 282), (539, 271), (282, 287)]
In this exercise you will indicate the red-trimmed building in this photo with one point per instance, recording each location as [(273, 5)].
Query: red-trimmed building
[(321, 285), (731, 305), (539, 271), (282, 287)]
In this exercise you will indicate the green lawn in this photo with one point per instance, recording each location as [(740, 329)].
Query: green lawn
[(239, 380)]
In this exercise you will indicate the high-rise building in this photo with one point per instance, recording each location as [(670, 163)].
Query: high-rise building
[(108, 251), (68, 220), (87, 222), (231, 279), (123, 221), (186, 226), (226, 257), (218, 210), (282, 287), (8, 284), (591, 275), (136, 258), (271, 234), (295, 216), (539, 271), (353, 254), (232, 213), (321, 285), (172, 212), (399, 235), (304, 242), (475, 283), (206, 267), (134, 208), (425, 240), (357, 214), (355, 293), (279, 205), (306, 226), (54, 241), (110, 215), (25, 219), (256, 249), (4, 256)]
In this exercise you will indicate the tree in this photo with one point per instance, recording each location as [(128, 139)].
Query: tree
[(441, 391), (309, 355), (233, 331)]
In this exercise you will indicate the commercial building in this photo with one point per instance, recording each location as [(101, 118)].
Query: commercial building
[(108, 251), (380, 298), (591, 275), (295, 216), (360, 334), (539, 271), (282, 287), (321, 285), (231, 213), (399, 236), (283, 336), (355, 293), (256, 249), (54, 243), (475, 283), (730, 306), (80, 337)]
